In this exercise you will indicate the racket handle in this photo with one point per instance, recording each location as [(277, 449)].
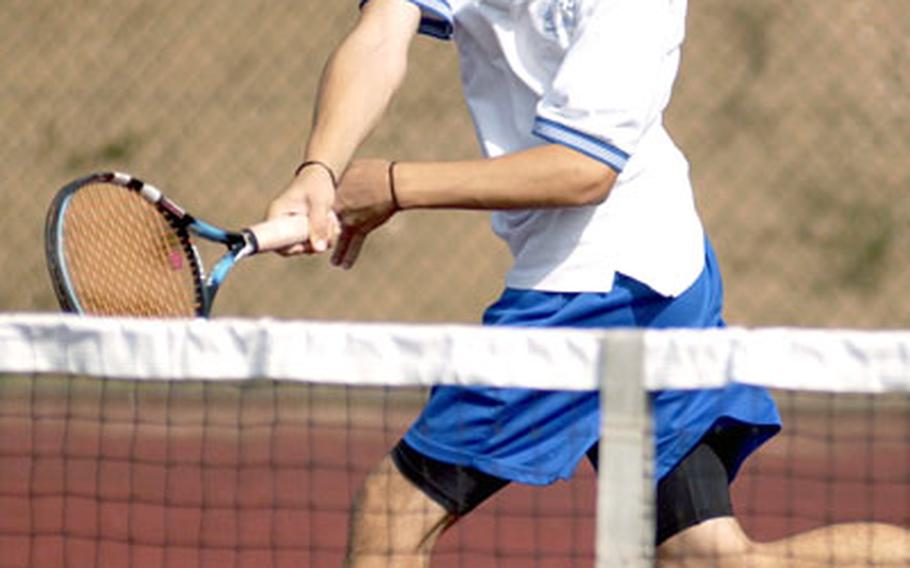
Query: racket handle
[(280, 232)]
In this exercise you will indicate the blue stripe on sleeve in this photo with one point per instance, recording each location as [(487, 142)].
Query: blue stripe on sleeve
[(437, 18), (588, 145)]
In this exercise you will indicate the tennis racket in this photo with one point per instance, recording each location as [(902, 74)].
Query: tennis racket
[(118, 246)]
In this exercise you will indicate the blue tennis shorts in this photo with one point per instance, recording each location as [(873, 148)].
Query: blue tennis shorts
[(537, 437)]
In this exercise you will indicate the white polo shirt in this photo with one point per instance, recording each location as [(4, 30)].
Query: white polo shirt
[(596, 76)]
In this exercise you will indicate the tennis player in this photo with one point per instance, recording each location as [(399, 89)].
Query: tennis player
[(595, 203)]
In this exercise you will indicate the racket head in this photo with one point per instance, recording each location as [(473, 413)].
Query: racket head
[(113, 249)]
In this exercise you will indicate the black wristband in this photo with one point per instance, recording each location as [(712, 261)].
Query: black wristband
[(322, 165)]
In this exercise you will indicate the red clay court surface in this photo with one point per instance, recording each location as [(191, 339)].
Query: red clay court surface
[(120, 477)]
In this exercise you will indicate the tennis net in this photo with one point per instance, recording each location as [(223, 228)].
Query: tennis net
[(243, 442)]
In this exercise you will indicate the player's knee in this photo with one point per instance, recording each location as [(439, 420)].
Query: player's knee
[(380, 492), (369, 526), (371, 503), (718, 543), (391, 514)]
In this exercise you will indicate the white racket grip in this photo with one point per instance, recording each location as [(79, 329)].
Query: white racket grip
[(280, 232)]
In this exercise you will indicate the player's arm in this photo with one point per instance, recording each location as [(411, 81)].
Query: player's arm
[(357, 84), (552, 175), (546, 176)]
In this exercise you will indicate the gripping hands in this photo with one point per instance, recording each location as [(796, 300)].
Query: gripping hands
[(342, 218)]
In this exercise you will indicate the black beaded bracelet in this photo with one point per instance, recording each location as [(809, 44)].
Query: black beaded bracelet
[(396, 206), (322, 165)]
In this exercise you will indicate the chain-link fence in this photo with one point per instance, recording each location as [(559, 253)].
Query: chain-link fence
[(794, 114)]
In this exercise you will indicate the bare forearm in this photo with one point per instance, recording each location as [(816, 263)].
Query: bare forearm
[(358, 82), (547, 176), (354, 91)]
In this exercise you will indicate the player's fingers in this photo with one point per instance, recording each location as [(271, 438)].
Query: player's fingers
[(334, 228), (293, 250), (321, 226), (287, 204), (341, 246), (307, 247), (353, 250)]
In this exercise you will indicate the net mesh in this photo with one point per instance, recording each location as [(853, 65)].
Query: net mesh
[(840, 458), (146, 443), (122, 256)]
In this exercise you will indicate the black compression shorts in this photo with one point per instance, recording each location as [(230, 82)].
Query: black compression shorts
[(696, 490)]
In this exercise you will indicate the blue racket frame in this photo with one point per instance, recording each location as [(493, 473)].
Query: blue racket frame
[(239, 243)]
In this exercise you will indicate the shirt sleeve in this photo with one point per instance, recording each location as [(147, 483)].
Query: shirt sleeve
[(436, 19), (615, 78)]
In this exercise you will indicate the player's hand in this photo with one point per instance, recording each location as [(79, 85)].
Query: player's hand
[(311, 194), (363, 202)]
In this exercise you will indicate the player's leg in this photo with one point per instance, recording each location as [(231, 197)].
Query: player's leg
[(722, 543), (406, 503), (695, 523), (393, 523), (696, 526), (849, 545)]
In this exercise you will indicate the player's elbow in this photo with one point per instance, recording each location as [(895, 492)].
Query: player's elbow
[(593, 185), (582, 179)]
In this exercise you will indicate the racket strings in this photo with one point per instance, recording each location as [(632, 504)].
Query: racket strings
[(124, 257)]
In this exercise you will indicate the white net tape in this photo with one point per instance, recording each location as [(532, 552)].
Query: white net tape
[(623, 364), (396, 354)]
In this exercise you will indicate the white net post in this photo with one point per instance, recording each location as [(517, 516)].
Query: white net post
[(625, 490)]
